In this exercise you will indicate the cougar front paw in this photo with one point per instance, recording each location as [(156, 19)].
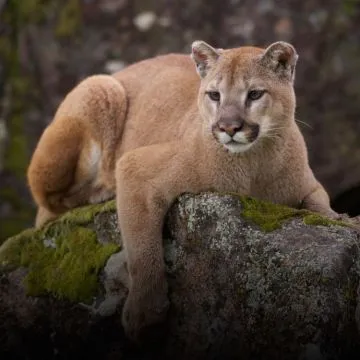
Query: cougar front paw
[(143, 309)]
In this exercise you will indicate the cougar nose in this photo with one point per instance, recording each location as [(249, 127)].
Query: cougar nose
[(231, 127)]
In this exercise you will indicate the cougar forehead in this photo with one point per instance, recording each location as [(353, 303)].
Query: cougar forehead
[(237, 61), (237, 66)]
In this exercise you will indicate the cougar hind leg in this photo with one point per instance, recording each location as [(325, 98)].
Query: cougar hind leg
[(53, 164), (105, 118), (43, 216), (73, 163)]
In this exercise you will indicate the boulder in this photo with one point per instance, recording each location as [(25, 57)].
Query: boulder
[(247, 279)]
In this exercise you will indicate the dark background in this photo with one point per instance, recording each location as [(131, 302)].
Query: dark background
[(47, 46)]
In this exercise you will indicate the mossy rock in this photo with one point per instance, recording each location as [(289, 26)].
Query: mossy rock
[(269, 216), (64, 257), (224, 274)]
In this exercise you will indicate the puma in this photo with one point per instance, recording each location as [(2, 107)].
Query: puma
[(162, 127)]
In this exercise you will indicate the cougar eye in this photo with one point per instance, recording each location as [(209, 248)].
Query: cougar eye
[(214, 95), (255, 94)]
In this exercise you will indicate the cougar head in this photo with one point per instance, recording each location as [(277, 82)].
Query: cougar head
[(246, 94)]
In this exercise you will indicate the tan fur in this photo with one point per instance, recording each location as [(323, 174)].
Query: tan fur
[(155, 120), (73, 163)]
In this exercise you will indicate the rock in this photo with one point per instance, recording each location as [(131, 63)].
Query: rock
[(247, 280)]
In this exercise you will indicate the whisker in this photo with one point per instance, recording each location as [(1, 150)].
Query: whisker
[(269, 137), (277, 128), (305, 123), (274, 131), (273, 128)]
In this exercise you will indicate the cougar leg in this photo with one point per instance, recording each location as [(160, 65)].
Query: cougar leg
[(43, 216), (146, 185), (74, 161)]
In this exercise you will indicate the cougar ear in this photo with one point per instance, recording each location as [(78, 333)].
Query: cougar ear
[(281, 57), (204, 56)]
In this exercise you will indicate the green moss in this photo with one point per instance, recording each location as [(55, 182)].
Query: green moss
[(69, 19), (316, 219), (84, 215), (63, 258), (269, 216)]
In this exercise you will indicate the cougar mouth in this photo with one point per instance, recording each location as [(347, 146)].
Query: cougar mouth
[(236, 147), (240, 141)]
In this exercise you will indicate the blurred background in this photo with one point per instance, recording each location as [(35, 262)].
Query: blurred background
[(47, 46)]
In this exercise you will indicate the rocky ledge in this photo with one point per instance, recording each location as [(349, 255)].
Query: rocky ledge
[(248, 280)]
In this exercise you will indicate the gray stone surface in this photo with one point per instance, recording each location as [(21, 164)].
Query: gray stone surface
[(235, 291)]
